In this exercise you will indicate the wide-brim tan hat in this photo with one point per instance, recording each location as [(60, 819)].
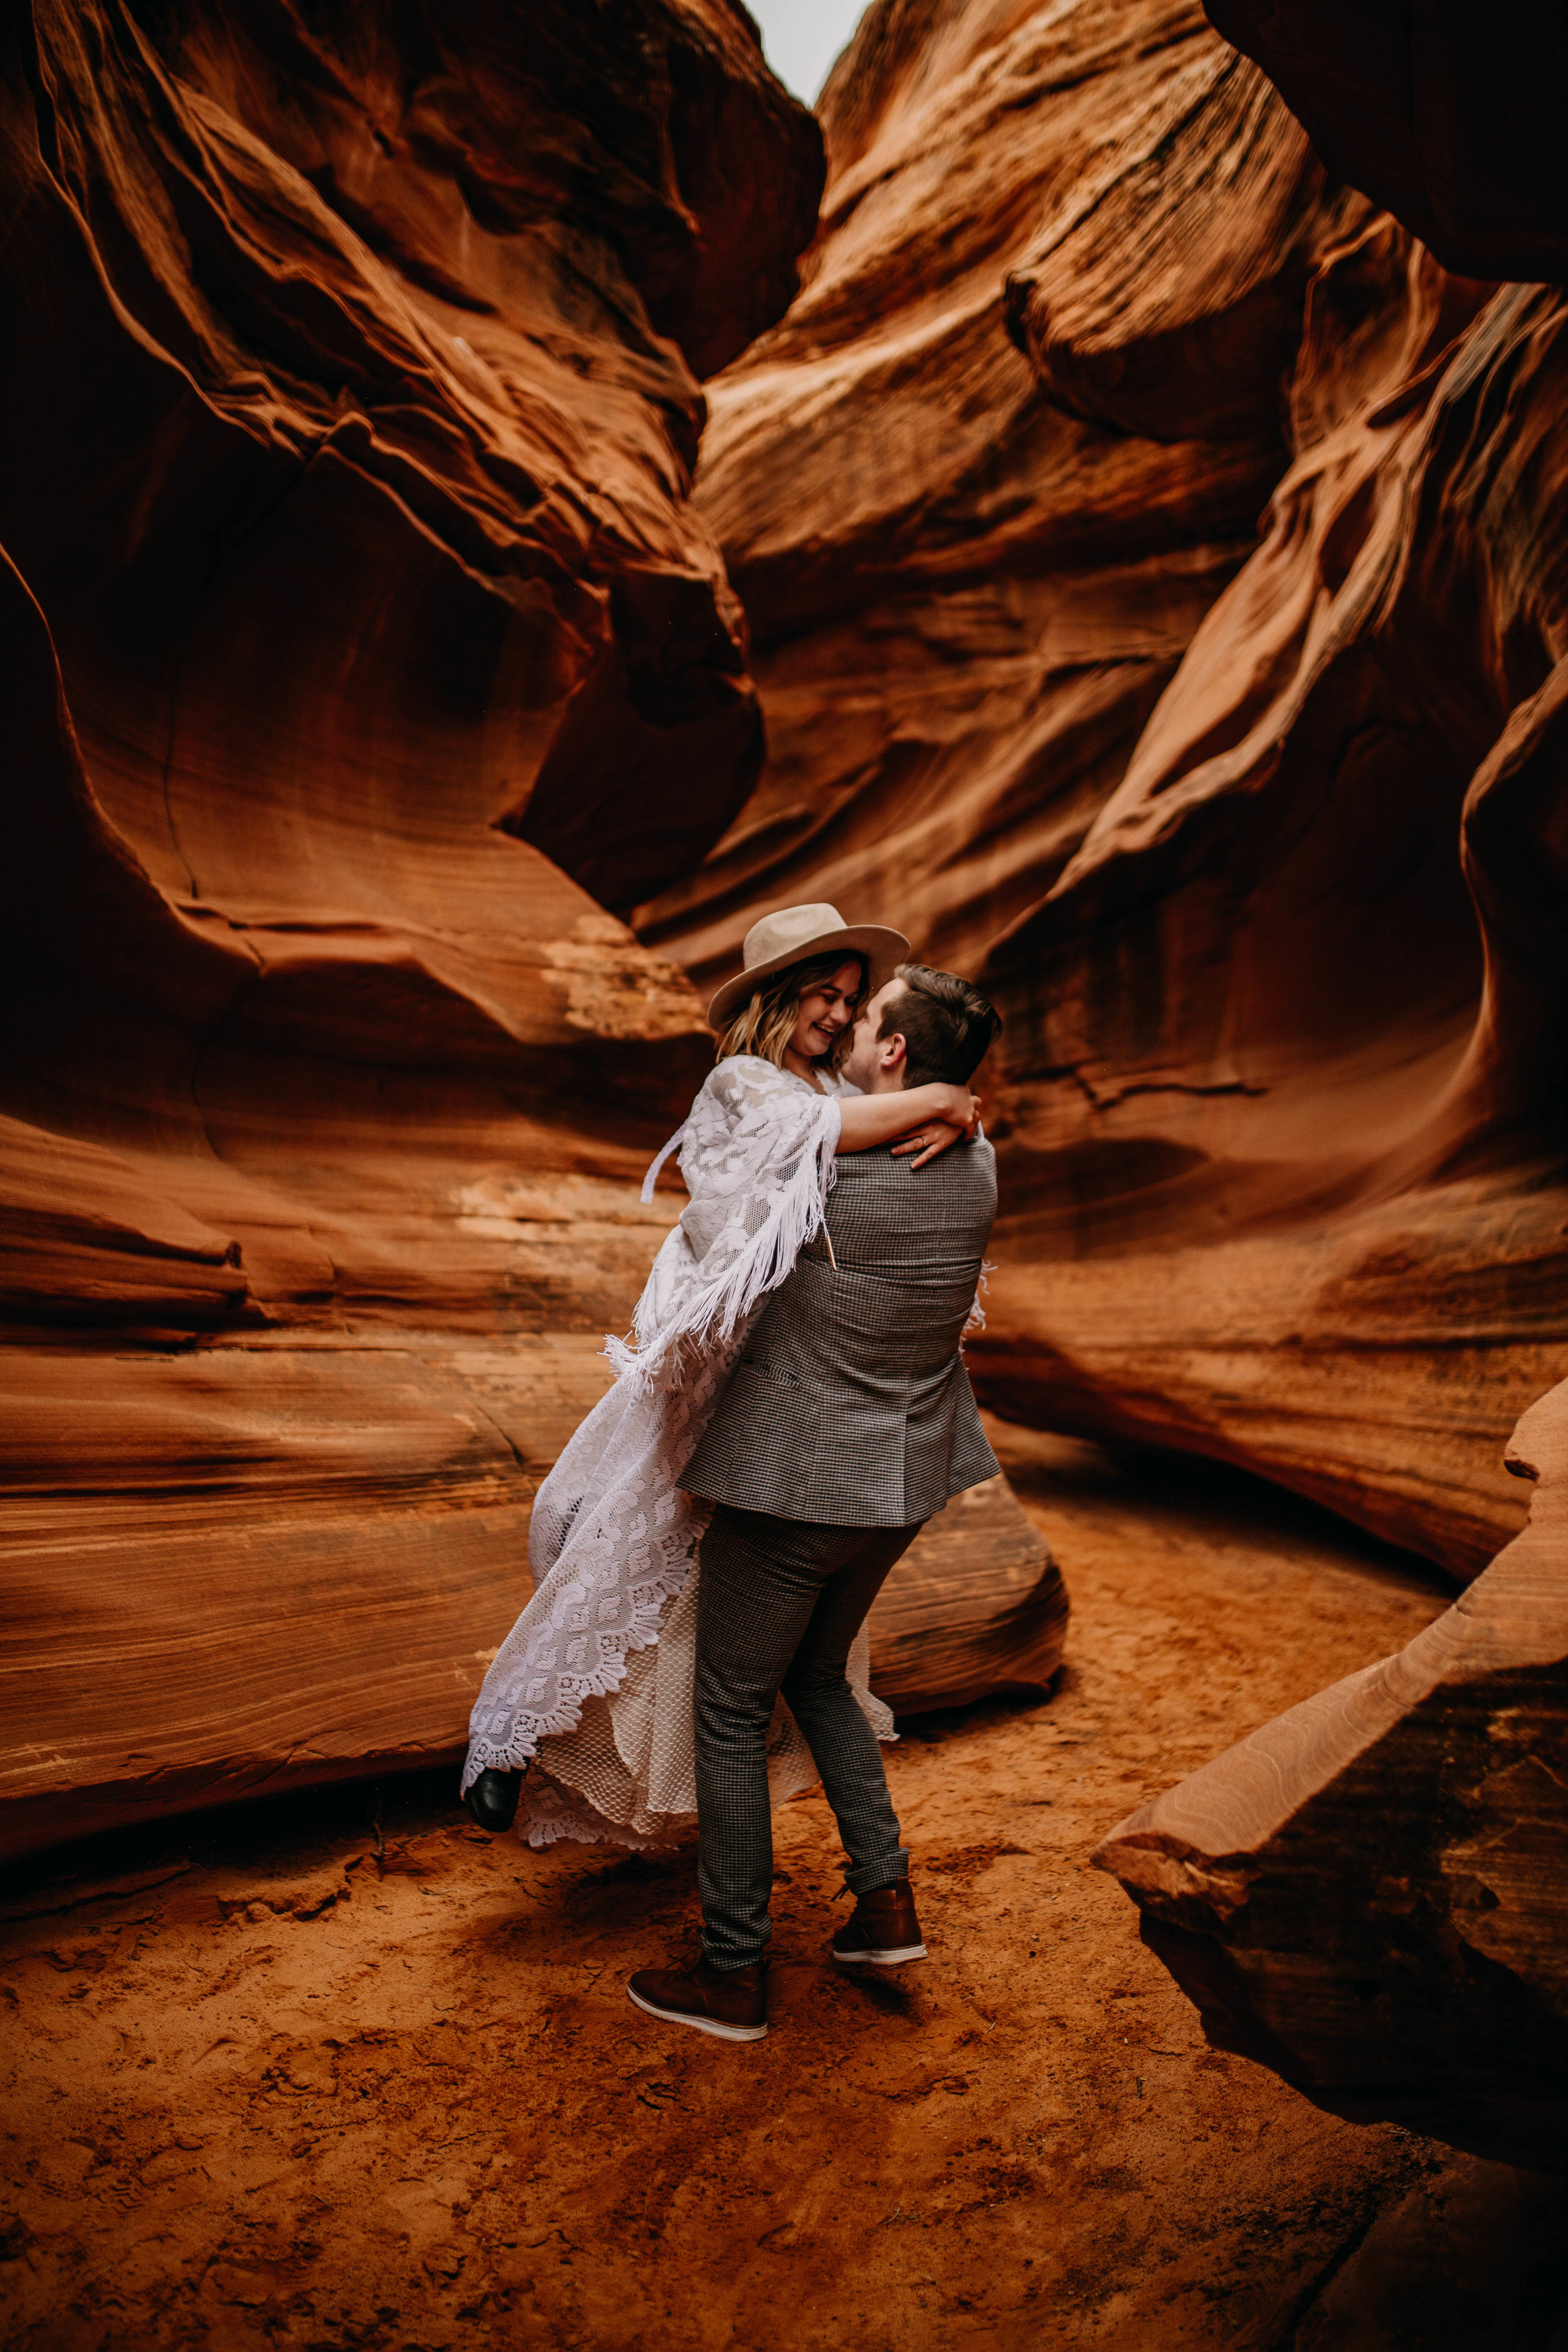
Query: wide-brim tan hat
[(796, 932)]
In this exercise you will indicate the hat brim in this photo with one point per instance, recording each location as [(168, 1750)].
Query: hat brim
[(884, 951)]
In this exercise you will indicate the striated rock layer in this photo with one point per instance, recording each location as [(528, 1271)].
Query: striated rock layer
[(1370, 1895), (1252, 829), (389, 497), (291, 1561), (963, 599), (1284, 1065), (358, 445)]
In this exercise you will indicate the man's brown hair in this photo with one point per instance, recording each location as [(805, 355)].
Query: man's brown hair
[(947, 1026)]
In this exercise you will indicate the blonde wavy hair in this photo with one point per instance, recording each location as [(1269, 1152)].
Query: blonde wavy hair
[(765, 1026)]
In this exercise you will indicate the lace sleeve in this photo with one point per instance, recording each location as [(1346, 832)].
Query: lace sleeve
[(757, 1154)]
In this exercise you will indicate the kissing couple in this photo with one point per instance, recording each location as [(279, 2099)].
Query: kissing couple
[(792, 1408)]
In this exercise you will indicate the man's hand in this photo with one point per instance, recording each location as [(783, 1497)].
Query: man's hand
[(957, 1122)]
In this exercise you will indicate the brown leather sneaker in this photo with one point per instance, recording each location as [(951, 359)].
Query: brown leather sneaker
[(883, 1928), (731, 2002)]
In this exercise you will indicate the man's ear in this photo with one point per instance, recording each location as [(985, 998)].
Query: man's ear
[(892, 1051)]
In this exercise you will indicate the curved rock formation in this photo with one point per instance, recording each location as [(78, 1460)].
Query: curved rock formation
[(1285, 1058), (1370, 1895), (964, 601), (287, 1561), (1277, 931), (391, 499), (356, 444), (976, 1609)]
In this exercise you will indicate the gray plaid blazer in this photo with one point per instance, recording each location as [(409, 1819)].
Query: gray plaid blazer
[(850, 1404)]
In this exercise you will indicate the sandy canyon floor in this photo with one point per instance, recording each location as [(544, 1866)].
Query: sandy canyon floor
[(342, 2071)]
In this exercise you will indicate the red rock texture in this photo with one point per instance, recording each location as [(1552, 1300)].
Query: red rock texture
[(1370, 1895), (1284, 1061), (391, 494), (288, 1560), (976, 1609), (1251, 828), (358, 462), (965, 600), (369, 644), (357, 444)]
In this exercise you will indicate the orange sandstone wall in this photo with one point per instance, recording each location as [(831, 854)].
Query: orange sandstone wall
[(1367, 1895), (1153, 568), (1154, 561), (351, 380), (965, 598), (364, 645)]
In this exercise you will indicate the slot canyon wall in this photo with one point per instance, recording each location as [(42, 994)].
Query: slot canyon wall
[(356, 375), (353, 592), (1370, 1895), (1154, 556), (1249, 824), (1122, 553)]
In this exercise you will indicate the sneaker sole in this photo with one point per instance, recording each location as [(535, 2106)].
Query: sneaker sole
[(881, 1960), (703, 2024)]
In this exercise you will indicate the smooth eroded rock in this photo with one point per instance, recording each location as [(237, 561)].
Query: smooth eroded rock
[(977, 1607), (1283, 1068), (1250, 826), (280, 1562), (964, 601), (353, 594), (1370, 1894)]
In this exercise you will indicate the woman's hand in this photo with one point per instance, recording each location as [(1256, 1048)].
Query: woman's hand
[(956, 1120), (865, 1122), (935, 1136)]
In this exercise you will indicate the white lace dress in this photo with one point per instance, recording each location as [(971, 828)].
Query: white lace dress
[(594, 1681)]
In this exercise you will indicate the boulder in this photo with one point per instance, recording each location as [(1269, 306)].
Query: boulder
[(976, 1609), (1370, 1894)]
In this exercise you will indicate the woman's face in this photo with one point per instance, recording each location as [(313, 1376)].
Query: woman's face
[(826, 1006)]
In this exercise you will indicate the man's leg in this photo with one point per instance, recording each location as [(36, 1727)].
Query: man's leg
[(843, 1745), (762, 1580)]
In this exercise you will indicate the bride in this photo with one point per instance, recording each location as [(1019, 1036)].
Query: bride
[(592, 1686)]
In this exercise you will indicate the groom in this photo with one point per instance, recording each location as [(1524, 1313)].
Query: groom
[(848, 1422)]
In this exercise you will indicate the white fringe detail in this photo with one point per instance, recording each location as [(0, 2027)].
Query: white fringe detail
[(708, 1309), (974, 1321)]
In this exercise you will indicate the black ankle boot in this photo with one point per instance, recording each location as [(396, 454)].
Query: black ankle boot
[(492, 1799)]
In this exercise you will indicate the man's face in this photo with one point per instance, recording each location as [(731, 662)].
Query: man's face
[(863, 1067)]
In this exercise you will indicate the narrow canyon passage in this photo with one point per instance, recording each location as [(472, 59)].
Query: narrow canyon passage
[(283, 2088), (515, 500)]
